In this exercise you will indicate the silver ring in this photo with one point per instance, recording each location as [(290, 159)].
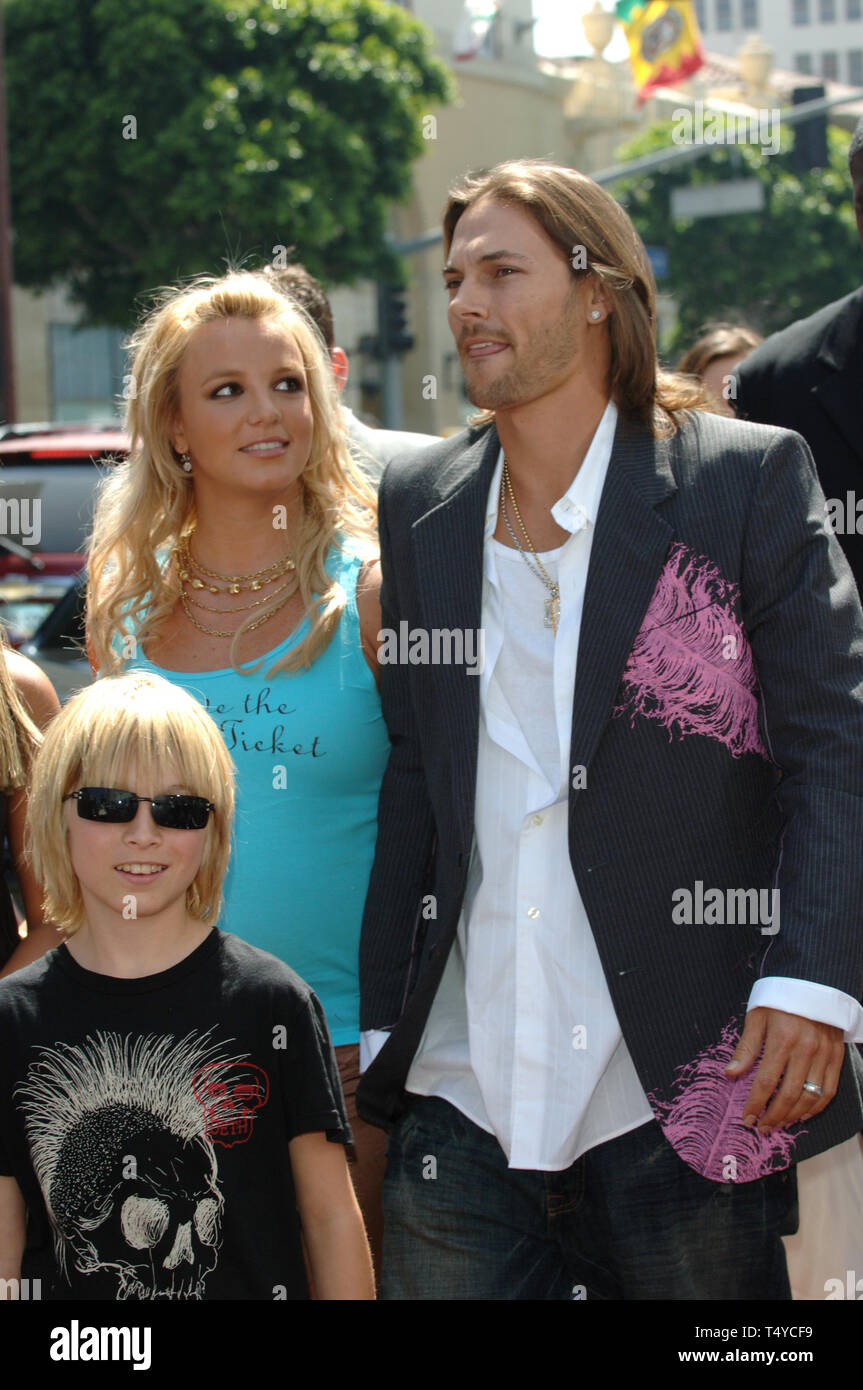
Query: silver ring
[(813, 1087)]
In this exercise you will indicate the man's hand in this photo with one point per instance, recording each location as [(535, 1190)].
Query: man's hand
[(795, 1050)]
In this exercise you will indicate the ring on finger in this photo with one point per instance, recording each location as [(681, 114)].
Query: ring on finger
[(813, 1088)]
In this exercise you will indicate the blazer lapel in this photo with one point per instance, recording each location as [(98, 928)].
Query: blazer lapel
[(448, 555), (629, 548)]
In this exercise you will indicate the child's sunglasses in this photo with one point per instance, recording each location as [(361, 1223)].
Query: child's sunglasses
[(113, 807)]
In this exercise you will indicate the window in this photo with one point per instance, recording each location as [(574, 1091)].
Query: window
[(854, 9), (701, 14), (723, 15), (87, 366), (855, 67), (803, 63), (827, 11), (749, 14), (830, 66), (800, 12)]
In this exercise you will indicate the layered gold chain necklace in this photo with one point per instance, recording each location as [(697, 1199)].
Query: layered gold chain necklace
[(552, 603), (196, 578)]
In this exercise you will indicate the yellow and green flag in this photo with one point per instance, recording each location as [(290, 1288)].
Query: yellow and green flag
[(664, 41)]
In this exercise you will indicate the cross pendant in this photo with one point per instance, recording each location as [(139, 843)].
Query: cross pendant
[(552, 612)]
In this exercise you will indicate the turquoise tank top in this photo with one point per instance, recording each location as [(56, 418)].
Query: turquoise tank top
[(310, 751)]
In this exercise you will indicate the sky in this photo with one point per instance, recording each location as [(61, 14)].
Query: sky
[(558, 32)]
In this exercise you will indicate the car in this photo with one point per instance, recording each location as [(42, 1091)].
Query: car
[(48, 478)]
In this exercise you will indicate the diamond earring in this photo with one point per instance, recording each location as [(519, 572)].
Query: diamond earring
[(186, 462), (596, 314)]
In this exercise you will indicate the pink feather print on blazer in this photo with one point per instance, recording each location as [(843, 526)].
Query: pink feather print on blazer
[(691, 665), (704, 1121)]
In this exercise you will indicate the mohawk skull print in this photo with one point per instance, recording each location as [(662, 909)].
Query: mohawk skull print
[(129, 1174)]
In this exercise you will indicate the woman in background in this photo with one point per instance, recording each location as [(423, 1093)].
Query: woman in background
[(234, 552), (713, 357), (27, 704)]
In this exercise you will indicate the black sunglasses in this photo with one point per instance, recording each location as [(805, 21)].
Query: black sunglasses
[(171, 812)]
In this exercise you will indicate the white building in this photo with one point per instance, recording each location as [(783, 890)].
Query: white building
[(823, 38)]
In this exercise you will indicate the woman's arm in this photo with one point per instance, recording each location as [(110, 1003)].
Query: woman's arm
[(332, 1225), (13, 1233), (40, 698), (369, 609)]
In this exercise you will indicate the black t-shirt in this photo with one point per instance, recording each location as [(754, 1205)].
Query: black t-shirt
[(152, 1117)]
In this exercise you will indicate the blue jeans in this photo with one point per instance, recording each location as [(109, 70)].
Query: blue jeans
[(628, 1220)]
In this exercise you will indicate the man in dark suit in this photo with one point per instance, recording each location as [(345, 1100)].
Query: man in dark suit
[(808, 378), (372, 449), (622, 663)]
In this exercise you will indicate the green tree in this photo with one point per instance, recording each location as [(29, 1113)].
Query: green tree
[(153, 139), (765, 269)]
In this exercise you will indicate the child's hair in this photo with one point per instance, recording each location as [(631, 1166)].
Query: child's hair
[(138, 720)]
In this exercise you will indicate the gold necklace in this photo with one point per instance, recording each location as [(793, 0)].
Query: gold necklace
[(235, 583), (220, 632), (243, 607), (552, 603)]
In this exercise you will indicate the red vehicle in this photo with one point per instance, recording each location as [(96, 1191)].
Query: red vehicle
[(48, 476)]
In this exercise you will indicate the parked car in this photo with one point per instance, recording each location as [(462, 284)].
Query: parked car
[(48, 477)]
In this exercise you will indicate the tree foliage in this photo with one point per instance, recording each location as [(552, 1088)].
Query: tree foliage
[(765, 269), (153, 139)]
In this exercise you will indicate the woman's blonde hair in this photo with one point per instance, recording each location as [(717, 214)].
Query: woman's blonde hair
[(19, 735), (137, 720), (146, 503), (598, 238)]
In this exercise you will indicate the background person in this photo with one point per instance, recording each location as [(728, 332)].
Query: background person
[(713, 358), (234, 552), (28, 702), (807, 378), (372, 449)]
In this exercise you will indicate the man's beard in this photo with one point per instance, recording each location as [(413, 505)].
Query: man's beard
[(551, 352)]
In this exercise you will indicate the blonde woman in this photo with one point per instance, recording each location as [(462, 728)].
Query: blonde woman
[(234, 553), (28, 702)]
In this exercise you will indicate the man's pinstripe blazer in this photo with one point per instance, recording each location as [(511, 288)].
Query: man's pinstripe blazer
[(718, 712)]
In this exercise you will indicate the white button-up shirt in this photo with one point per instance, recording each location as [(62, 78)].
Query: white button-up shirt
[(522, 1036)]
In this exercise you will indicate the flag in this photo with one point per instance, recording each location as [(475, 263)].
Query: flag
[(664, 41), (473, 27)]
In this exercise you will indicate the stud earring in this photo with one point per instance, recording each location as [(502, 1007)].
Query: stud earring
[(186, 462), (596, 314)]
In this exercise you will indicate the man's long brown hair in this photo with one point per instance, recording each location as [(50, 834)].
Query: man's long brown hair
[(574, 212)]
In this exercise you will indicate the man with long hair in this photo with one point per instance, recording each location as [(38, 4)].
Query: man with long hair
[(611, 954)]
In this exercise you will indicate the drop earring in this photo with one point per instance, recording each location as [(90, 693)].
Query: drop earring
[(186, 462)]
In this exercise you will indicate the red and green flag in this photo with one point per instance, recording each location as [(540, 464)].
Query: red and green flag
[(664, 41)]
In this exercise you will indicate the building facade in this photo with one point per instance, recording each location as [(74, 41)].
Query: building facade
[(822, 38)]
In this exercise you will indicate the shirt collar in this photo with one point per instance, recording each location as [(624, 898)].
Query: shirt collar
[(579, 505)]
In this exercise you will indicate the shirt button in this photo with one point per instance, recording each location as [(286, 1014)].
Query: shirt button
[(536, 820), (533, 913)]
